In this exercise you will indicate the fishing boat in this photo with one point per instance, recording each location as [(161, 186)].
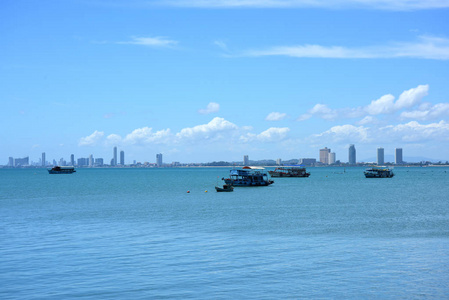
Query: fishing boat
[(379, 172), (289, 172), (225, 188), (248, 176), (61, 170)]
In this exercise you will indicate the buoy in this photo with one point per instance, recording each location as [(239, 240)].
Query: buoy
[(188, 192), (205, 191)]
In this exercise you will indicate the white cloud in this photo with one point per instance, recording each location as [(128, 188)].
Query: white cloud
[(383, 105), (323, 111), (426, 47), (145, 135), (92, 139), (212, 107), (151, 42), (337, 4), (428, 112), (275, 116), (367, 120), (213, 130), (416, 132), (273, 134), (411, 97), (346, 133)]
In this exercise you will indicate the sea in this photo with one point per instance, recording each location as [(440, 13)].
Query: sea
[(128, 233)]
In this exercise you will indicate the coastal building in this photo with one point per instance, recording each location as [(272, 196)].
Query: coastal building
[(307, 161), (380, 156), (114, 163), (43, 160), (91, 160), (122, 158), (324, 155), (20, 162), (82, 162), (72, 160), (278, 161), (99, 162), (352, 155), (159, 160), (245, 160), (11, 162), (332, 158), (398, 156)]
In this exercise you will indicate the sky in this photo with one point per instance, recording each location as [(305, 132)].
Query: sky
[(202, 81)]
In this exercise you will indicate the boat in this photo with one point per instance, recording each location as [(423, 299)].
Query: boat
[(379, 172), (289, 172), (62, 170), (225, 188), (248, 176)]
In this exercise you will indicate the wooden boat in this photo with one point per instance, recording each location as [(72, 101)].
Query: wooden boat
[(225, 188)]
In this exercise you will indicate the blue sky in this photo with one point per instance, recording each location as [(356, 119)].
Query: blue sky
[(215, 80)]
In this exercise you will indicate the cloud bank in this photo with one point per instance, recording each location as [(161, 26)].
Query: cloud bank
[(426, 47)]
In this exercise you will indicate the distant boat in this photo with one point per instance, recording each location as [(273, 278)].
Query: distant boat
[(248, 176), (289, 172), (379, 172), (61, 170), (225, 188)]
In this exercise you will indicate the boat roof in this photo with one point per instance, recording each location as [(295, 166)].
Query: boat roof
[(253, 168)]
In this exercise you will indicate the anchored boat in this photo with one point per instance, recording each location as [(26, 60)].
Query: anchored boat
[(289, 172), (248, 176), (225, 188), (379, 172), (62, 170)]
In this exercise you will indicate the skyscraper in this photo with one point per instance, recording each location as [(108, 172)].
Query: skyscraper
[(324, 155), (245, 160), (43, 159), (352, 155), (91, 160), (115, 157), (332, 158), (122, 158), (72, 160), (159, 160), (398, 156), (380, 156)]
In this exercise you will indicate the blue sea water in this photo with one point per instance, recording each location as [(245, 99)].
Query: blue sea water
[(138, 234)]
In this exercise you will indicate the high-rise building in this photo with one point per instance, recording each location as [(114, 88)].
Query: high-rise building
[(72, 160), (245, 160), (398, 156), (278, 161), (159, 160), (91, 160), (332, 158), (122, 158), (307, 161), (43, 159), (98, 162), (352, 155), (19, 162), (324, 155), (11, 162), (380, 156), (115, 157)]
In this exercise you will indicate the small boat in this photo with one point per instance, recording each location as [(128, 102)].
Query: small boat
[(225, 188), (289, 172), (61, 170), (379, 172), (248, 176)]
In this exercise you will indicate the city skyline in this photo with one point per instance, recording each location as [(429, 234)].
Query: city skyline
[(325, 157), (186, 81)]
